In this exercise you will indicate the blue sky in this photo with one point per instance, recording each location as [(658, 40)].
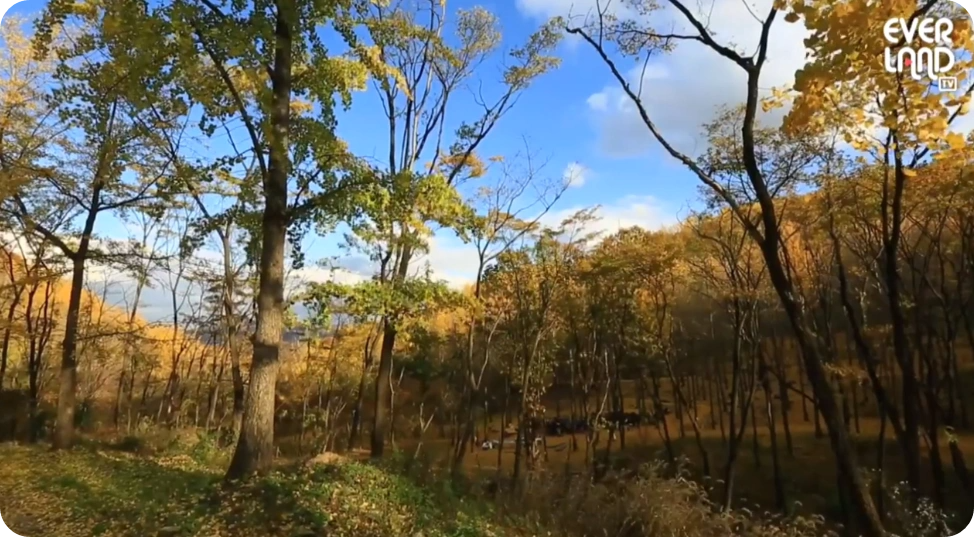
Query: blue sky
[(577, 118), (556, 121), (574, 119)]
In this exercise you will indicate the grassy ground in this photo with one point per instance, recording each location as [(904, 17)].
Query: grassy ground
[(91, 491), (173, 488)]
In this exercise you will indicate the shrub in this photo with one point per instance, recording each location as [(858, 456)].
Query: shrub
[(648, 505)]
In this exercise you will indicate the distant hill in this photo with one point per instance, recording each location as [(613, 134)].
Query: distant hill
[(103, 313), (101, 322)]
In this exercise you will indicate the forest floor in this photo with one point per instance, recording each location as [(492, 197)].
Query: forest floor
[(152, 486), (809, 473), (95, 490), (147, 487)]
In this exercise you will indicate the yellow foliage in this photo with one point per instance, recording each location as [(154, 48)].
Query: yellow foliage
[(846, 87), (24, 113), (470, 165)]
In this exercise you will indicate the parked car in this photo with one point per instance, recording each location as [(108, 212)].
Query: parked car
[(488, 445)]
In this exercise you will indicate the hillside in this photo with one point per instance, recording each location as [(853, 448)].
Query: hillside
[(721, 262), (103, 492), (112, 342)]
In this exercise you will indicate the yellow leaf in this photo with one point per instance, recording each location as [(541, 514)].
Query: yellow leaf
[(791, 17), (956, 141), (909, 172)]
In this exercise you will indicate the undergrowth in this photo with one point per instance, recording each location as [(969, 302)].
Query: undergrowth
[(171, 485), (113, 493)]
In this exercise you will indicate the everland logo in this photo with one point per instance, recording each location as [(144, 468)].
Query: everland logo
[(933, 59)]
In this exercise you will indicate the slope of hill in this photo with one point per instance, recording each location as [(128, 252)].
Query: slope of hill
[(33, 302)]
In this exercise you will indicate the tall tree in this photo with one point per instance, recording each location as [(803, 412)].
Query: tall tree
[(424, 165), (505, 212), (266, 67), (113, 107), (638, 38), (896, 122)]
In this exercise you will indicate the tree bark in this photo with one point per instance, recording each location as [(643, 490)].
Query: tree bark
[(68, 377), (255, 446), (383, 390), (356, 425)]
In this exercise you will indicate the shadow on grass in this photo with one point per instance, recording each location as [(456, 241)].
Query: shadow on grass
[(109, 493)]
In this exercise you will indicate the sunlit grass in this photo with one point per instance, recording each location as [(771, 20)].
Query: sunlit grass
[(94, 492)]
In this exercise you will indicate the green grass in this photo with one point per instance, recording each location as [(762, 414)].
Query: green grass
[(94, 492)]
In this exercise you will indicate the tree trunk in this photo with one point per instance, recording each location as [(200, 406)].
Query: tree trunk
[(383, 389), (755, 445), (782, 376), (694, 422), (661, 424), (11, 310), (901, 346), (522, 422), (779, 486), (848, 466), (255, 445), (68, 378), (212, 397), (356, 425), (232, 321), (801, 386), (117, 410)]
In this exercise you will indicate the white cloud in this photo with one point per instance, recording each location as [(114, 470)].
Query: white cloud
[(448, 259), (316, 274), (575, 174), (598, 102), (451, 260), (95, 272), (631, 211), (544, 9), (963, 124), (682, 90)]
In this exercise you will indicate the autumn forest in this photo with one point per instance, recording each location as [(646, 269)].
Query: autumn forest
[(793, 357)]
